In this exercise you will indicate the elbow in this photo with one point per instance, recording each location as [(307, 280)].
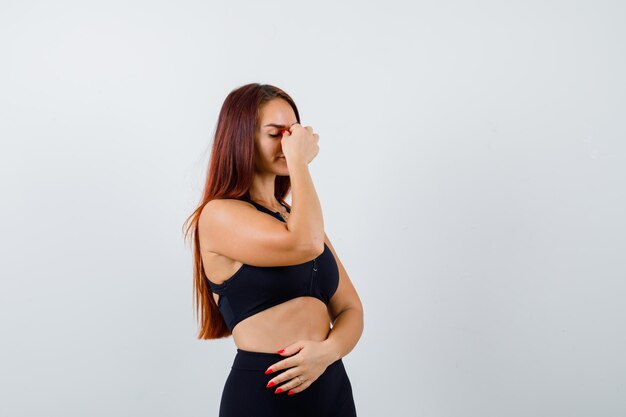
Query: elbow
[(316, 247), (319, 246), (309, 248)]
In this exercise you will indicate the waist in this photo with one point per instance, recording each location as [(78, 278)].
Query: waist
[(273, 329), (259, 361)]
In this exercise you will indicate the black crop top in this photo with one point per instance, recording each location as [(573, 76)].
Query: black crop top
[(253, 289)]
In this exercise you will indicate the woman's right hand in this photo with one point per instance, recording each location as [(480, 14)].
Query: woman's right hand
[(299, 143)]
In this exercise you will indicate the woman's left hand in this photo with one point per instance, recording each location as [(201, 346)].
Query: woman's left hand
[(303, 368)]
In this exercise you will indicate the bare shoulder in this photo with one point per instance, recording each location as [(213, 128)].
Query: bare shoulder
[(215, 209), (237, 230), (218, 205)]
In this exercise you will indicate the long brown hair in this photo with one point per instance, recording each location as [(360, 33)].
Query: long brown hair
[(230, 174)]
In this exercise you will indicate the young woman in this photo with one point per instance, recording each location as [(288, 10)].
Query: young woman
[(266, 272)]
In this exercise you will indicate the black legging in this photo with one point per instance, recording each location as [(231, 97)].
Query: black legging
[(245, 393)]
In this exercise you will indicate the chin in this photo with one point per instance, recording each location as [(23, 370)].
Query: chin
[(282, 172)]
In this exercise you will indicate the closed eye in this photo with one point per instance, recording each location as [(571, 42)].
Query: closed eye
[(276, 135)]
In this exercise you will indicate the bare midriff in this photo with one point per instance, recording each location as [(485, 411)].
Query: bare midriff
[(301, 318)]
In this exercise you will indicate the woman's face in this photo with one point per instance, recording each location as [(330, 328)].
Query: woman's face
[(274, 116)]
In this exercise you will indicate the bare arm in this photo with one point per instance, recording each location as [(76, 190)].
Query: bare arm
[(237, 230), (346, 314), (306, 212), (345, 333)]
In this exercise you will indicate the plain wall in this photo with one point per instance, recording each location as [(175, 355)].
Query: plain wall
[(471, 172)]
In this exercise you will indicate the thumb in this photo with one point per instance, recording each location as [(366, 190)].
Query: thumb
[(292, 349)]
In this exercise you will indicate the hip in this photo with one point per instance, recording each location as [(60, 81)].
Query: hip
[(245, 391)]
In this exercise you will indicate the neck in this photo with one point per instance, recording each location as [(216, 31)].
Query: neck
[(262, 189)]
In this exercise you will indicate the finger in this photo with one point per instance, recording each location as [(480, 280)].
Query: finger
[(292, 383), (283, 377), (292, 349), (300, 388), (284, 364), (287, 375)]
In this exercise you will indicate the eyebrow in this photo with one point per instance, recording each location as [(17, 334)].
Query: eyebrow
[(277, 125)]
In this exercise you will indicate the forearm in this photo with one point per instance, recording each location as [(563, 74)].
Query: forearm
[(345, 334), (305, 218)]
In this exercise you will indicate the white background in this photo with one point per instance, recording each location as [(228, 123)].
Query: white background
[(471, 172)]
